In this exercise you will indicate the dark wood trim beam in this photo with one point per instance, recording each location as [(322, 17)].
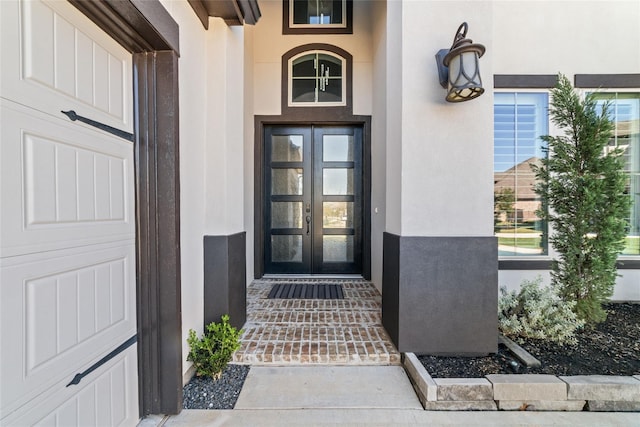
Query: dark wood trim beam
[(234, 12), (607, 81), (524, 81), (158, 232), (201, 12), (250, 10), (138, 25)]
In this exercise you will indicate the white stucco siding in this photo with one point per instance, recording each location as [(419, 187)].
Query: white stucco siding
[(571, 37), (225, 130), (193, 137), (378, 139), (627, 285), (249, 148), (447, 149)]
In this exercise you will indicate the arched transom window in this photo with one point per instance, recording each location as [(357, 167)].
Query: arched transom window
[(317, 78)]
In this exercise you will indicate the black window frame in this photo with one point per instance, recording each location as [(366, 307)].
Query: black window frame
[(287, 28)]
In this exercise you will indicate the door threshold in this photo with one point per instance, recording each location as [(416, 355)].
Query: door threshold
[(312, 276)]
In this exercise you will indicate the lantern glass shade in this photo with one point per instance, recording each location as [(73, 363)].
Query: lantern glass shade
[(464, 77)]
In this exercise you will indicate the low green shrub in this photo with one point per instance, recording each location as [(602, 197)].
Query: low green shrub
[(211, 353), (537, 312)]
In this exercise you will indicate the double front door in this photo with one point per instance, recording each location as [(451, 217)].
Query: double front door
[(313, 199)]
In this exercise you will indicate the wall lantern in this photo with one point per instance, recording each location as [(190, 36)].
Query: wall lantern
[(458, 67)]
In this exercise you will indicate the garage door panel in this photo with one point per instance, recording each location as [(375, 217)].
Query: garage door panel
[(54, 310), (67, 243), (60, 52), (102, 398), (60, 314), (76, 189)]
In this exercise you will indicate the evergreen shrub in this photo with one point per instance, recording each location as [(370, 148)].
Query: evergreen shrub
[(211, 353)]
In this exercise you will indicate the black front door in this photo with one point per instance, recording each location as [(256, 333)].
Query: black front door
[(313, 199)]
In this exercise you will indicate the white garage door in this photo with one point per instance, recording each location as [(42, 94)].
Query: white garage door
[(67, 236)]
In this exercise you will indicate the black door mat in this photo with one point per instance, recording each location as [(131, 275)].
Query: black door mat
[(306, 291)]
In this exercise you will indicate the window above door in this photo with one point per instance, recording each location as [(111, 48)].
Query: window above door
[(317, 17), (317, 82), (316, 79)]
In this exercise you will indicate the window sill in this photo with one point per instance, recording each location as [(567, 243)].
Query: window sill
[(544, 263)]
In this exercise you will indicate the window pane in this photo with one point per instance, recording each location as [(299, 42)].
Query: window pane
[(303, 90), (286, 214), (337, 214), (337, 148), (317, 78), (337, 248), (329, 66), (286, 181), (519, 121), (286, 148), (337, 181), (330, 90), (286, 248), (304, 66), (625, 112), (317, 12)]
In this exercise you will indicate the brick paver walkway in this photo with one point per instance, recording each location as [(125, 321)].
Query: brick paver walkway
[(306, 331)]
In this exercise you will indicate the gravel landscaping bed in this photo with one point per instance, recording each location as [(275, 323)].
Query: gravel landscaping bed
[(611, 348), (205, 393)]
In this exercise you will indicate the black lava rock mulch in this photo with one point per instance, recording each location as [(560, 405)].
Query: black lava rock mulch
[(205, 393), (611, 348)]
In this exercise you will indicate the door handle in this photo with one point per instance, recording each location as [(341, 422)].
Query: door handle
[(308, 222)]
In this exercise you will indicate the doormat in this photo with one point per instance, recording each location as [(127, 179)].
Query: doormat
[(306, 291)]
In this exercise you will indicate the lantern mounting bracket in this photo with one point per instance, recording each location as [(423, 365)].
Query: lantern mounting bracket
[(443, 70)]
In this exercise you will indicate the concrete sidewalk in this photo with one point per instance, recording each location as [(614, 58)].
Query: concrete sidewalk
[(396, 417), (358, 396)]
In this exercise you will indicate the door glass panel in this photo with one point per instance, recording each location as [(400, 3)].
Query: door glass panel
[(286, 248), (337, 214), (286, 214), (286, 181), (337, 248), (337, 148), (286, 148), (337, 181)]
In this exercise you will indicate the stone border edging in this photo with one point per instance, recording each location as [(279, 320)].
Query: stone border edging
[(531, 392)]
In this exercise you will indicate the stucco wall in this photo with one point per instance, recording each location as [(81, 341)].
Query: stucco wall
[(378, 138), (547, 37), (269, 45), (212, 157), (447, 149)]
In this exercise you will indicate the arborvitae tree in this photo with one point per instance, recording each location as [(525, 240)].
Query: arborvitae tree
[(582, 185)]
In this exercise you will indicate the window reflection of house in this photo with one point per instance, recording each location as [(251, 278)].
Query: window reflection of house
[(287, 181), (520, 179)]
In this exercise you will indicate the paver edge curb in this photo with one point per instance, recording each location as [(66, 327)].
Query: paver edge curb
[(425, 385), (523, 355)]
